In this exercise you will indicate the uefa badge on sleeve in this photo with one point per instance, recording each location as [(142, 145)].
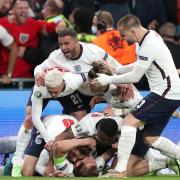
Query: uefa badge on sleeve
[(37, 94), (78, 128)]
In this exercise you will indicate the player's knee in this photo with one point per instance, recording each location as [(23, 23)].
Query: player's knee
[(130, 120)]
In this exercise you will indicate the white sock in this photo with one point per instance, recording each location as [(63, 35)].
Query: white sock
[(168, 147), (24, 136), (125, 146), (155, 164)]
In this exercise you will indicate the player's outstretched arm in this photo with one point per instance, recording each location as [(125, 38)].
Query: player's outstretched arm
[(131, 77), (124, 69)]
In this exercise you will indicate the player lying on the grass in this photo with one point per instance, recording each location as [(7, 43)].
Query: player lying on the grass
[(54, 124), (138, 164), (105, 129), (70, 159)]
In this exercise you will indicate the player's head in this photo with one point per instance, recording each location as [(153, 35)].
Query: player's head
[(101, 68), (79, 153), (86, 167), (68, 43), (21, 10), (128, 26), (54, 82), (107, 130)]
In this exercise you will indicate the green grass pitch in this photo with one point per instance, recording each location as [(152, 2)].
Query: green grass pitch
[(90, 178)]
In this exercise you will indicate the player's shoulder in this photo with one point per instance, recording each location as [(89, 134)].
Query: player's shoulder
[(60, 117), (56, 52), (91, 47), (153, 38)]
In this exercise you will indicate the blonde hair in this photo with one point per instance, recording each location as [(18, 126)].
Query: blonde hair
[(53, 78)]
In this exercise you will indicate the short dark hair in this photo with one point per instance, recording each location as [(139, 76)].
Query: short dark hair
[(108, 126), (67, 32)]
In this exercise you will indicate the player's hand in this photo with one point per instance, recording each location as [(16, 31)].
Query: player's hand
[(95, 100), (61, 174), (91, 142), (39, 79), (125, 92), (100, 81), (6, 79), (49, 171), (48, 146)]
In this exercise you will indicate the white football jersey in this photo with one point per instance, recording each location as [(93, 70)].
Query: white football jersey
[(5, 38), (72, 81), (83, 64), (87, 125), (154, 55), (112, 98), (56, 124)]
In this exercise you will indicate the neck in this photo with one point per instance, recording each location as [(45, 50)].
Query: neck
[(141, 34), (77, 51)]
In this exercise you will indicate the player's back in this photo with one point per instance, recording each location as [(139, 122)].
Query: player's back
[(56, 124), (87, 125), (162, 74)]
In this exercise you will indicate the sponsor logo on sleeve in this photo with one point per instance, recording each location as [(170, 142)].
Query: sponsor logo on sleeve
[(143, 58)]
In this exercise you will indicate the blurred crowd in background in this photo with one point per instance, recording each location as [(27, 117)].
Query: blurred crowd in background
[(34, 25)]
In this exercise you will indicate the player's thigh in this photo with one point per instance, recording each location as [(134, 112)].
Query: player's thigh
[(154, 108), (29, 165), (36, 144)]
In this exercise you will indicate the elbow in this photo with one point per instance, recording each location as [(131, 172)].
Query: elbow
[(58, 148)]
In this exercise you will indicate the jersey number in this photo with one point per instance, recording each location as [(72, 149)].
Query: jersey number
[(140, 104), (68, 122)]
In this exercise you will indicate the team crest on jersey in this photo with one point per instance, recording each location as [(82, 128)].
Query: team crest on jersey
[(77, 68), (78, 128), (37, 94), (23, 38), (143, 58)]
